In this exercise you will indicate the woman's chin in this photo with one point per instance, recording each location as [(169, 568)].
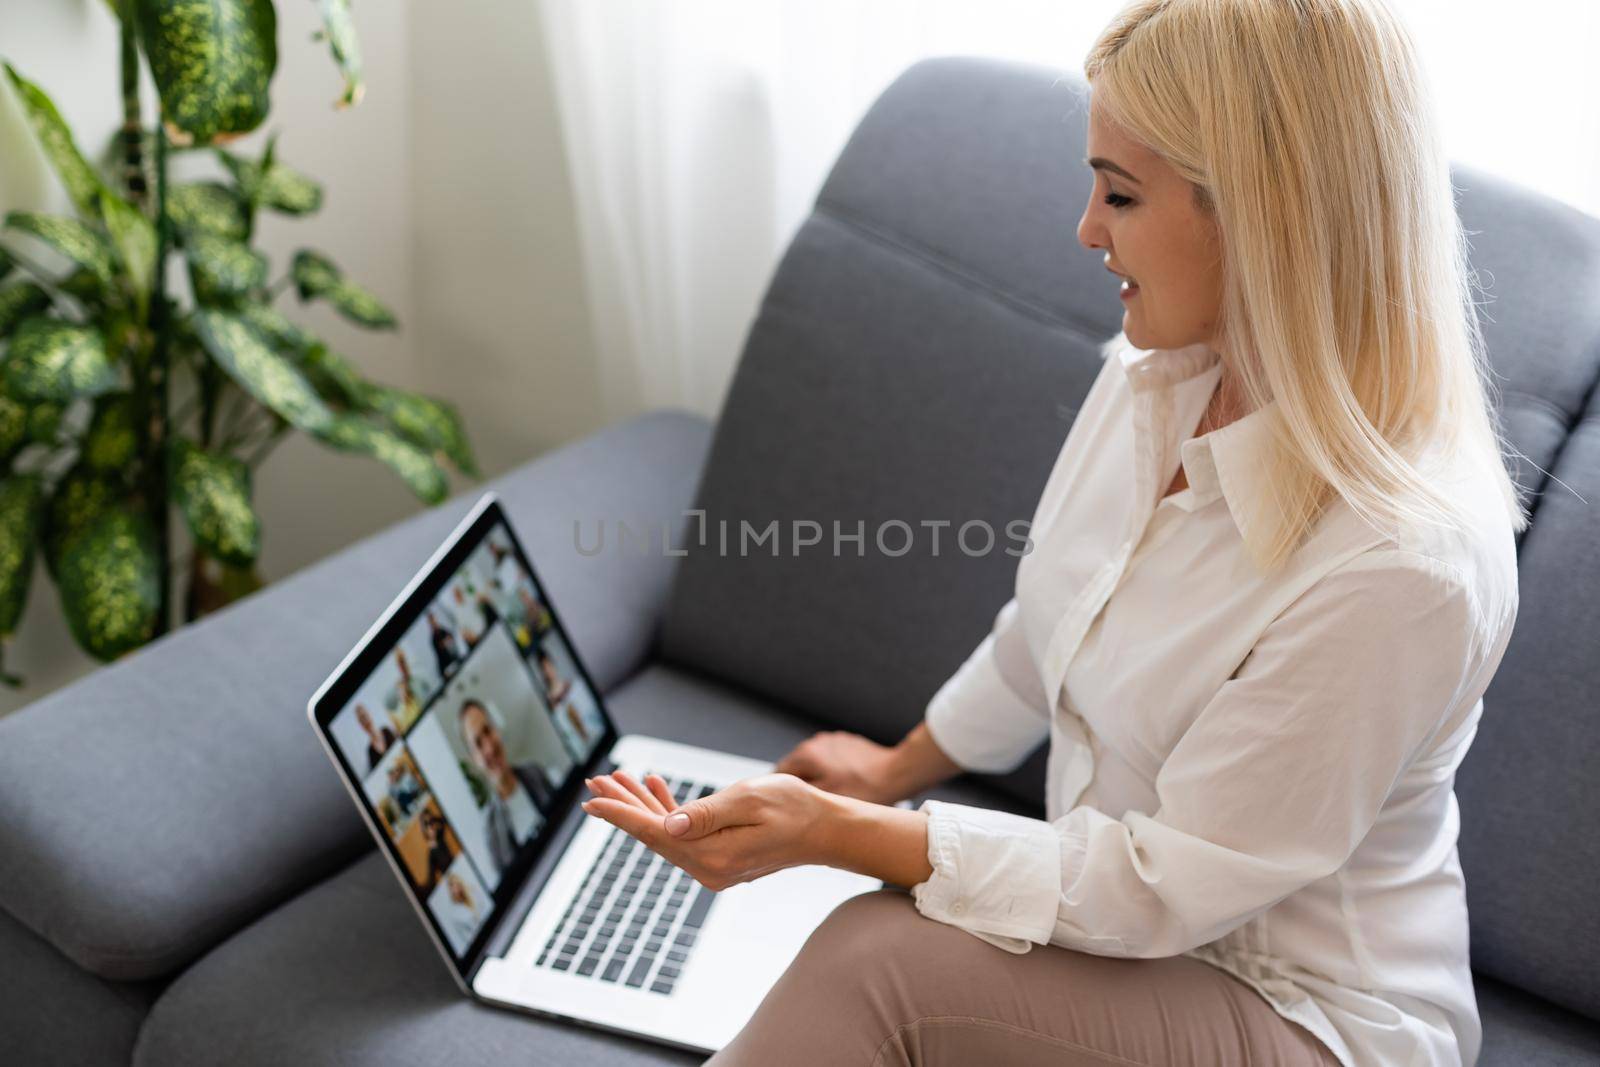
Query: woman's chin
[(1132, 329)]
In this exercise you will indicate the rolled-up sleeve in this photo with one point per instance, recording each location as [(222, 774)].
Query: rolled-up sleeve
[(1270, 788), (992, 712)]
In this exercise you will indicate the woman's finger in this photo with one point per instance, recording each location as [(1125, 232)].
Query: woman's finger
[(658, 785), (627, 816), (645, 796), (604, 785)]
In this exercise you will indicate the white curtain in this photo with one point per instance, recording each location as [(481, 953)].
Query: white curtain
[(699, 131)]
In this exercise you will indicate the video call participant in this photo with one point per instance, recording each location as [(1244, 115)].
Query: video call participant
[(445, 649), (503, 826), (474, 613), (404, 789), (460, 913), (378, 740), (557, 689), (439, 854), (408, 703)]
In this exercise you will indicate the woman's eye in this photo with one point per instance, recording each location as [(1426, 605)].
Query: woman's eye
[(1118, 200)]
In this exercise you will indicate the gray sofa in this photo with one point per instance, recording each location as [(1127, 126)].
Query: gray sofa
[(183, 880)]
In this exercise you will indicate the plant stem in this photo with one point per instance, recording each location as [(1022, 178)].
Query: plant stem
[(155, 472), (267, 446), (238, 408), (132, 132)]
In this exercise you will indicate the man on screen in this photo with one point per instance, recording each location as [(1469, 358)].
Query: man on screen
[(507, 818)]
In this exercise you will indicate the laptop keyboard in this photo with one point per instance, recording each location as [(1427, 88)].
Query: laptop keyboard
[(636, 917)]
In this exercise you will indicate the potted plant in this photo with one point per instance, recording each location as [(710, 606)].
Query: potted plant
[(123, 406)]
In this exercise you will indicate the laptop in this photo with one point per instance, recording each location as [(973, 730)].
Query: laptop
[(464, 724)]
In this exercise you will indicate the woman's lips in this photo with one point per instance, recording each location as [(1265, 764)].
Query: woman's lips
[(1129, 290)]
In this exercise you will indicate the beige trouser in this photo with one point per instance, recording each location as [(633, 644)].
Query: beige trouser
[(878, 984)]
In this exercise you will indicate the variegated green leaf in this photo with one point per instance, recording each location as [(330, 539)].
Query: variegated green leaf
[(360, 306), (313, 273), (22, 424), (339, 30), (44, 420), (316, 276), (84, 246), (112, 440), (273, 185), (224, 266), (82, 183), (110, 582), (79, 497), (213, 492), (13, 427), (207, 207), (21, 510), (55, 360), (26, 423), (19, 301), (260, 370), (135, 241), (83, 284), (212, 61), (428, 423), (359, 433), (332, 374), (276, 327)]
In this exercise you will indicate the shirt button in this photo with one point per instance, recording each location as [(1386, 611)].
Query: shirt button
[(958, 907)]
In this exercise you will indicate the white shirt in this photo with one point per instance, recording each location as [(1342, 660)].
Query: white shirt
[(1253, 770)]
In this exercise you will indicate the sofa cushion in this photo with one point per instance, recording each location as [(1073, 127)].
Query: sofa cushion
[(55, 1014), (1520, 1030), (344, 973), (1539, 262), (158, 805), (1528, 789)]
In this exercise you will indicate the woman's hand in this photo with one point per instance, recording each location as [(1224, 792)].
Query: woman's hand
[(844, 763), (753, 827)]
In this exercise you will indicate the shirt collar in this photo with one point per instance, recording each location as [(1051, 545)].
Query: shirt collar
[(1159, 368), (1229, 461)]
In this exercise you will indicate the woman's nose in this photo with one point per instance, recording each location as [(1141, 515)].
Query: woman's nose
[(1090, 233)]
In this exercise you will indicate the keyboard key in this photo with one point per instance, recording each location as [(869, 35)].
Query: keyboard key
[(640, 969), (588, 965), (697, 911), (613, 969), (660, 987)]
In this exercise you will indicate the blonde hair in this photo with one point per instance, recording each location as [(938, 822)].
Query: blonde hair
[(1308, 131)]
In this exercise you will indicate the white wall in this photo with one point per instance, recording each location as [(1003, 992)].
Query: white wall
[(501, 306), (445, 193)]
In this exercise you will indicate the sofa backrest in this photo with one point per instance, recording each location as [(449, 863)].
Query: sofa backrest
[(919, 355)]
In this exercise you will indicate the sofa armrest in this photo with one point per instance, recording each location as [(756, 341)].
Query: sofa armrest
[(159, 804)]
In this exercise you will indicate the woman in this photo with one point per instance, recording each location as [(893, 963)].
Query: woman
[(440, 854), (1273, 572), (446, 653)]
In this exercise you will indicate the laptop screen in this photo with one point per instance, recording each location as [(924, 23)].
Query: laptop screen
[(461, 722)]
